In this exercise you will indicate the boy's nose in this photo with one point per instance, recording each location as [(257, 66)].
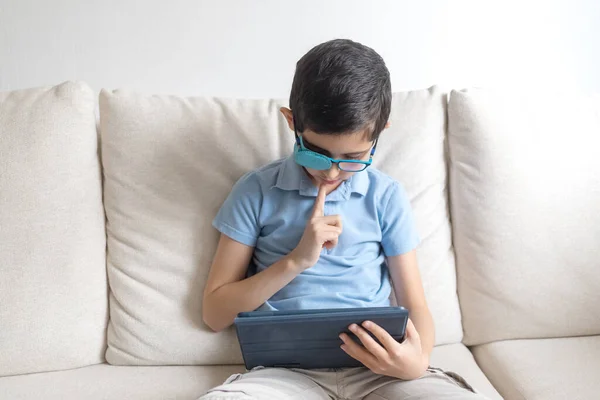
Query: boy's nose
[(333, 172)]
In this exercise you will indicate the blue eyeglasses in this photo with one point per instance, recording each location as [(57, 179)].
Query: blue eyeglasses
[(313, 160)]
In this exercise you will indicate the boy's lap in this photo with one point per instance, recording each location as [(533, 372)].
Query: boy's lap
[(268, 384), (356, 383)]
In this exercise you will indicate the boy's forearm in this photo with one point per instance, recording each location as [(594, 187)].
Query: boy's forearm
[(423, 321), (222, 306)]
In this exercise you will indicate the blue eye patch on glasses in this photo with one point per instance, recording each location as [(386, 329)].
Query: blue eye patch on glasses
[(313, 160)]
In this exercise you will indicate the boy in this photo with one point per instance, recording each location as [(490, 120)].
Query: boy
[(323, 229)]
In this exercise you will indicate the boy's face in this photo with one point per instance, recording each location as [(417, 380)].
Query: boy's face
[(355, 146)]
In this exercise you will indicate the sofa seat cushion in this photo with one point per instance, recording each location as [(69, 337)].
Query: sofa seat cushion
[(548, 369), (457, 358), (106, 382)]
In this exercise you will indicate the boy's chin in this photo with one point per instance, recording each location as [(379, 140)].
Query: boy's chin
[(330, 182), (318, 181), (331, 185)]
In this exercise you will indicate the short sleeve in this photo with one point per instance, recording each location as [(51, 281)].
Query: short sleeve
[(398, 230), (238, 216)]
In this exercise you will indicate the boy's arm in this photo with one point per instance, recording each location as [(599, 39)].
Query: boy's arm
[(227, 293), (408, 288), (409, 359)]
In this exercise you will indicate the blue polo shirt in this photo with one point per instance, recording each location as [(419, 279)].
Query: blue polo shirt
[(268, 209)]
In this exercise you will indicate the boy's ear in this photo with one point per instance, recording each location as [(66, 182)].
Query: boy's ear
[(289, 117), (387, 125)]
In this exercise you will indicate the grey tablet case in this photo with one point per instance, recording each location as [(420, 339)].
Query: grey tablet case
[(309, 338)]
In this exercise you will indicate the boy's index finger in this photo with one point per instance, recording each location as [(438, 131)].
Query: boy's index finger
[(319, 208)]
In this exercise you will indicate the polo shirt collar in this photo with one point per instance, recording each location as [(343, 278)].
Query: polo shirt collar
[(292, 176)]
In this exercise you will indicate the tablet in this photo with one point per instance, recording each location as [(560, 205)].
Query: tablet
[(309, 338)]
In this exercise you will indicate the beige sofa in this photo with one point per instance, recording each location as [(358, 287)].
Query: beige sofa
[(105, 236)]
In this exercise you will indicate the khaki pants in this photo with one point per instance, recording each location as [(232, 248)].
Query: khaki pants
[(343, 384)]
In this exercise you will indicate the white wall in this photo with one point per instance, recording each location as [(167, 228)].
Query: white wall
[(249, 48)]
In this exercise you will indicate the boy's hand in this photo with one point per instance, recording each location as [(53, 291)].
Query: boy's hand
[(320, 232), (400, 360)]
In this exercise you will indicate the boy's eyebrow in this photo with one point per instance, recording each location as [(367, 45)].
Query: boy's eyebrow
[(321, 150), (358, 153)]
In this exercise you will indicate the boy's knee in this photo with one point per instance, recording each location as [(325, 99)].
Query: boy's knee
[(435, 384), (229, 395)]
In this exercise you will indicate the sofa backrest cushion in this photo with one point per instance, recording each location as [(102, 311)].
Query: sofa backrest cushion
[(525, 195), (170, 162), (53, 290)]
